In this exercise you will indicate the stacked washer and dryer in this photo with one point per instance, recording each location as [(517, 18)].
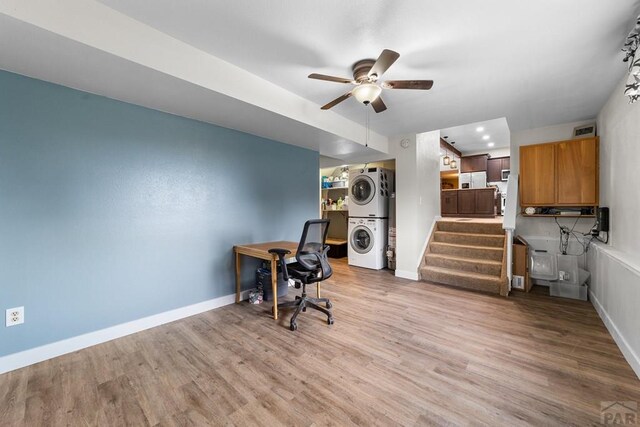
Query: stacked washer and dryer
[(370, 190)]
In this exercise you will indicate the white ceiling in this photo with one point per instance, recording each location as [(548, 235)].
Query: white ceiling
[(535, 63), (469, 139)]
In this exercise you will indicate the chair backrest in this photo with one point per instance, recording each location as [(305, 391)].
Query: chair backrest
[(312, 251)]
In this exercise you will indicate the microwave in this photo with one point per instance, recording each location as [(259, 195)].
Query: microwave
[(505, 174)]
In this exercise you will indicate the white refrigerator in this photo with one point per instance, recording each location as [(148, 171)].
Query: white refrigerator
[(473, 180)]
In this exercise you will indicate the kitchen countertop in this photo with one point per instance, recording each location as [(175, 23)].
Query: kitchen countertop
[(476, 189)]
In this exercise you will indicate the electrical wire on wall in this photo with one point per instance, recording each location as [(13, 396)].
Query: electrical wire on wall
[(566, 233)]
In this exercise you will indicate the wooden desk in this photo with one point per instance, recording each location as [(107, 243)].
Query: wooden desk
[(261, 251)]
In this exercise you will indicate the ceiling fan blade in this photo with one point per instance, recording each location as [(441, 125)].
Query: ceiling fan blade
[(336, 101), (384, 61), (378, 105), (408, 84), (330, 78)]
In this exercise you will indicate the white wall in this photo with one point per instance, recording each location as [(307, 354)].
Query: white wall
[(619, 129), (615, 285), (428, 158), (417, 196), (495, 152), (558, 132)]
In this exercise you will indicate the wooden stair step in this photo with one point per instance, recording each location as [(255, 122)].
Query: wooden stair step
[(463, 279), (454, 262), (470, 227), (475, 239), (468, 251)]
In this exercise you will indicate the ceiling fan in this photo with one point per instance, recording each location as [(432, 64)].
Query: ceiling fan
[(366, 73)]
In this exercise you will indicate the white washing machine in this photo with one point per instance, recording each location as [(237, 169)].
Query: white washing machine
[(367, 242), (369, 192)]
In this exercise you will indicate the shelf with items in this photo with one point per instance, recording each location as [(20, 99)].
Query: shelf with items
[(559, 211), (335, 210), (336, 184), (557, 216)]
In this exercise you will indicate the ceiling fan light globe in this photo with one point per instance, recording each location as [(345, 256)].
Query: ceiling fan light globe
[(366, 93)]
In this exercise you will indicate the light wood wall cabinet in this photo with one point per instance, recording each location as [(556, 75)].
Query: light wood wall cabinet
[(577, 172), (563, 173), (537, 175)]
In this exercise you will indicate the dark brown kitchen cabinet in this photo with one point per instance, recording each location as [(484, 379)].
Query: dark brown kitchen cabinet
[(485, 202), (449, 202), (474, 163), (474, 202), (466, 202), (495, 167), (494, 170)]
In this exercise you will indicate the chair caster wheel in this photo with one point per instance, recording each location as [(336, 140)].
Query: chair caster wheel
[(330, 321), (304, 309), (298, 297), (329, 305), (293, 326)]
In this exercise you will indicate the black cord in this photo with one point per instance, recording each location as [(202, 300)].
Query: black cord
[(565, 236)]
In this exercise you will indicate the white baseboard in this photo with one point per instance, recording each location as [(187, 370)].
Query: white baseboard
[(411, 275), (69, 345), (622, 343)]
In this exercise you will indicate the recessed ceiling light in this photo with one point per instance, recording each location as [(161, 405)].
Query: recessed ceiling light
[(491, 144), (486, 137), (479, 129)]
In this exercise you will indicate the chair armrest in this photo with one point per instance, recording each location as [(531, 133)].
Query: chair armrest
[(283, 265), (321, 257), (280, 252)]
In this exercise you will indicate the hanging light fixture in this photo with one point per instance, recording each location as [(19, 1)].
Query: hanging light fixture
[(366, 92), (453, 164), (446, 159)]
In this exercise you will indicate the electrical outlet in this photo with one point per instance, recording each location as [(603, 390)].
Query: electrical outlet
[(15, 316)]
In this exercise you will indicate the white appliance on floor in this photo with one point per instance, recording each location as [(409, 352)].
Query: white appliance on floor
[(367, 242), (473, 180), (369, 192)]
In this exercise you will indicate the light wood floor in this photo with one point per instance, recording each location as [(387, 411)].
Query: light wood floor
[(400, 353)]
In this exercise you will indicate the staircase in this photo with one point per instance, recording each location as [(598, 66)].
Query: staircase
[(467, 254)]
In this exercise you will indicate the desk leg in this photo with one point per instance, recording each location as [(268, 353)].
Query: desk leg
[(237, 277), (274, 286)]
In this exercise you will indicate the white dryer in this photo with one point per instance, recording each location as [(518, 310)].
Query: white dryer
[(369, 192), (367, 242)]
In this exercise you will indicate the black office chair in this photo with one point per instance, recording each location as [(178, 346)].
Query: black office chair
[(312, 266)]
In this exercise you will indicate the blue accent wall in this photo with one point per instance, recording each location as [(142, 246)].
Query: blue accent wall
[(110, 212)]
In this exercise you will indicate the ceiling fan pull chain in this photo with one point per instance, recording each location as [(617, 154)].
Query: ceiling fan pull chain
[(366, 141)]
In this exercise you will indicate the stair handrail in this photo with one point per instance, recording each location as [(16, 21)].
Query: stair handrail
[(509, 221), (511, 204)]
